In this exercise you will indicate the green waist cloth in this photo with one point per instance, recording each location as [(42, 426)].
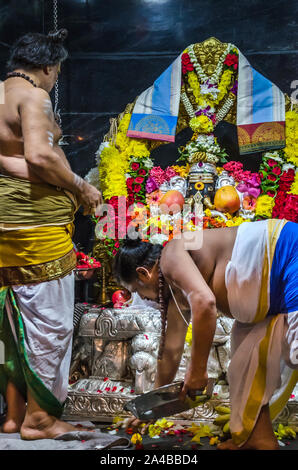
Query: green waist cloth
[(14, 366), (33, 204)]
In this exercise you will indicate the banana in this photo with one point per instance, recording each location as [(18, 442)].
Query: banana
[(222, 410), (226, 428), (222, 419)]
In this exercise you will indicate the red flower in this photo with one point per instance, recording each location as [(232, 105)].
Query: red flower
[(129, 182), (139, 179), (271, 177), (135, 166), (290, 211), (142, 172), (186, 64), (288, 176), (270, 193), (231, 61), (276, 170), (137, 188), (271, 162)]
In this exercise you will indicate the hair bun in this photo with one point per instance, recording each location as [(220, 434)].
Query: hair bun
[(132, 242), (58, 36)]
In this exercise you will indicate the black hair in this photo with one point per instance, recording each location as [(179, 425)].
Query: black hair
[(133, 254), (36, 50)]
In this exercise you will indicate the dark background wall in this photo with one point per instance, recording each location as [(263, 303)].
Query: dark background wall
[(118, 47)]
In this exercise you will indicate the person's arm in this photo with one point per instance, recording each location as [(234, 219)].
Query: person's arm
[(37, 121), (174, 346), (178, 266), (62, 155)]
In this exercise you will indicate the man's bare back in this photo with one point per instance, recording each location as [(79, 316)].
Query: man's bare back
[(211, 260), (12, 158)]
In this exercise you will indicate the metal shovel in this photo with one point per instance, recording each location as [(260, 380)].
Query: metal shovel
[(164, 401)]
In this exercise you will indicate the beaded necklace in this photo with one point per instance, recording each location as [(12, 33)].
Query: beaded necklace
[(21, 75)]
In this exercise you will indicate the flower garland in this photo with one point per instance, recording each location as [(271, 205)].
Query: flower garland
[(136, 182), (219, 67), (115, 160), (278, 178), (291, 148), (209, 91), (202, 148)]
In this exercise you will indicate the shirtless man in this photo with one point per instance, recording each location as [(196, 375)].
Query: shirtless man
[(208, 278), (29, 151)]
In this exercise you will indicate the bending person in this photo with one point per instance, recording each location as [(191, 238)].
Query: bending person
[(250, 274), (39, 195)]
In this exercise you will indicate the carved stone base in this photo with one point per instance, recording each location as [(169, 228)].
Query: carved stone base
[(87, 403), (114, 360)]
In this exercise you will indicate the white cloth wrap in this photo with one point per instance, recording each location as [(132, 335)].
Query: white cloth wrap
[(47, 313)]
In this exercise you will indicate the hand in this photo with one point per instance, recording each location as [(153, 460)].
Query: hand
[(194, 380), (90, 198), (136, 425)]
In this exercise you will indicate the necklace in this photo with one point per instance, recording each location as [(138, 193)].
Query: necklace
[(198, 68), (21, 75), (177, 305)]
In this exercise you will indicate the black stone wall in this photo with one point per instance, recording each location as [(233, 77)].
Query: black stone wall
[(118, 47)]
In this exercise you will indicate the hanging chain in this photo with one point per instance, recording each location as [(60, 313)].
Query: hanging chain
[(55, 25)]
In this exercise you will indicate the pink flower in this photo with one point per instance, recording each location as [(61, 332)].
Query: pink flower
[(170, 173), (158, 174), (151, 185)]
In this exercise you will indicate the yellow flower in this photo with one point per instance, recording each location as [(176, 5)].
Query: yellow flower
[(264, 206), (285, 432), (117, 420), (164, 424), (294, 187), (235, 221), (112, 169), (213, 441), (199, 431), (205, 101), (114, 160), (201, 124), (291, 148), (154, 430), (136, 438), (224, 85)]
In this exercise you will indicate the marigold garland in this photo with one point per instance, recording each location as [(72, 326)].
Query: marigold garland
[(264, 206), (291, 148)]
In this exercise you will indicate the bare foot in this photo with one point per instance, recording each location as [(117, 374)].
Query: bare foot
[(249, 445), (40, 425), (16, 409), (11, 426), (227, 445), (261, 438)]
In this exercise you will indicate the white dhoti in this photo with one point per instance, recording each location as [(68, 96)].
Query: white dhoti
[(41, 320), (262, 289)]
